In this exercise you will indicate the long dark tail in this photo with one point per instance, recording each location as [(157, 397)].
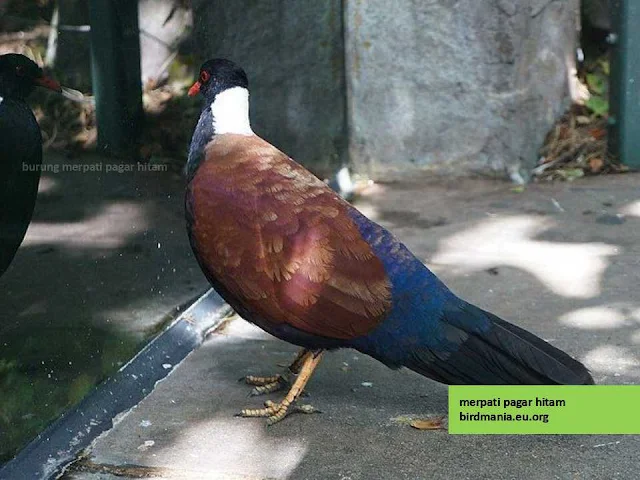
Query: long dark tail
[(502, 354)]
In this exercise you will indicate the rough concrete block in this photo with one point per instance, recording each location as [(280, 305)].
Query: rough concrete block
[(461, 86), (598, 13), (293, 53), (163, 25), (455, 85)]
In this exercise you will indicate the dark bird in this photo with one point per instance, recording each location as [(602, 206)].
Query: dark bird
[(291, 256), (20, 151)]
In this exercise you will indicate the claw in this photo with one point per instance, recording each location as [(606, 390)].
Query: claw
[(274, 383), (275, 412), (260, 381), (269, 410), (269, 387)]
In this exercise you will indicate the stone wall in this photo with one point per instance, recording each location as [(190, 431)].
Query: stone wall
[(457, 85), (461, 86), (597, 13), (293, 52)]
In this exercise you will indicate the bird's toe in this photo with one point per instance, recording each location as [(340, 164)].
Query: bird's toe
[(275, 412), (261, 381), (266, 388)]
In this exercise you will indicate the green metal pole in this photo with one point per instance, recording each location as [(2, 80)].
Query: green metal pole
[(115, 67), (624, 120)]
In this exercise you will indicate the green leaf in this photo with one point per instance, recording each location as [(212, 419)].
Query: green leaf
[(571, 173), (597, 83), (604, 64), (598, 105)]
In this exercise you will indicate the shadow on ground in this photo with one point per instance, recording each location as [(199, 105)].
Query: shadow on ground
[(104, 265), (560, 260)]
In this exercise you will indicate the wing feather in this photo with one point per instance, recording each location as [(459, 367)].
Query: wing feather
[(283, 243)]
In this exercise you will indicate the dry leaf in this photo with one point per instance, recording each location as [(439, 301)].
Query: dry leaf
[(598, 133), (596, 164), (428, 424)]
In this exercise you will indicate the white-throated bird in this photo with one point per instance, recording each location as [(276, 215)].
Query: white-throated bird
[(291, 256)]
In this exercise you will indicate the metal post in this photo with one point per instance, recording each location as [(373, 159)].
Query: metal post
[(115, 66), (624, 120)]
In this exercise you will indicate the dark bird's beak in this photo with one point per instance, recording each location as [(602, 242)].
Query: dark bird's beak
[(48, 82), (195, 89)]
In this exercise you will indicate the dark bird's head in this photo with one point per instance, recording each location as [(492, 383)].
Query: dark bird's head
[(19, 76), (216, 76)]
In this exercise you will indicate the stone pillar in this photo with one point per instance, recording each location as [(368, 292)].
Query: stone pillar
[(459, 86), (456, 85), (163, 25), (293, 52)]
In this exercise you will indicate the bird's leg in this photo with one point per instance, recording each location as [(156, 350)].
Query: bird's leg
[(297, 363), (277, 411), (277, 382)]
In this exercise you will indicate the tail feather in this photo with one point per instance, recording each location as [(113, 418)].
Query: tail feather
[(499, 353)]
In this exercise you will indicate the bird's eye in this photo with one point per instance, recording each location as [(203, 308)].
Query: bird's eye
[(204, 76), (20, 71)]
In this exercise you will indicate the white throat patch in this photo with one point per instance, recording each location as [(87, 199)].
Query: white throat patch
[(230, 112)]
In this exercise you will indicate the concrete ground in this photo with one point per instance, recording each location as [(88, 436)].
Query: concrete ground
[(561, 260), (103, 266)]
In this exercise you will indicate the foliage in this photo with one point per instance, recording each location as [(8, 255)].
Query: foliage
[(597, 81), (577, 144)]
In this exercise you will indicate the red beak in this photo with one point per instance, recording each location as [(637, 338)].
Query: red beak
[(48, 82), (195, 89)]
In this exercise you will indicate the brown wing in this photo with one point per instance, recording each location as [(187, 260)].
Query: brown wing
[(282, 242)]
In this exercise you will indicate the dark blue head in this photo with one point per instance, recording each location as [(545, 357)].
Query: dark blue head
[(19, 76), (216, 76)]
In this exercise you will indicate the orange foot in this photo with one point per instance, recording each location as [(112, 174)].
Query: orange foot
[(275, 383), (304, 365)]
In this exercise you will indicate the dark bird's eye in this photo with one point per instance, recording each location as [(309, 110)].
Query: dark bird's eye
[(20, 70), (204, 76)]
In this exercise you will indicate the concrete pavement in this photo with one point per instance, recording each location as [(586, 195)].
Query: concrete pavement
[(103, 266), (561, 260)]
